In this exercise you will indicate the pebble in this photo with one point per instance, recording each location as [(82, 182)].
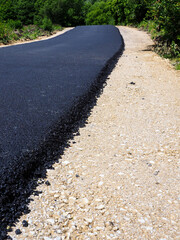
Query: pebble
[(141, 220), (25, 223), (72, 200), (65, 163), (47, 183), (47, 238), (156, 172), (9, 238), (56, 195), (18, 232), (84, 201), (132, 83), (100, 207), (100, 183), (88, 220), (51, 221)]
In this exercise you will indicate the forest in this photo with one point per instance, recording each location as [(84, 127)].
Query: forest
[(29, 19)]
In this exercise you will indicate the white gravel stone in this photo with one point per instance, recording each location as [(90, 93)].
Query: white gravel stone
[(100, 207), (65, 163), (51, 220)]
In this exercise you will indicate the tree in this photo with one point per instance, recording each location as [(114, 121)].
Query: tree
[(7, 10), (99, 14), (25, 11)]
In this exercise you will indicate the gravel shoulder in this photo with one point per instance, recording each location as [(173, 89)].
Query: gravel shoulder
[(119, 177)]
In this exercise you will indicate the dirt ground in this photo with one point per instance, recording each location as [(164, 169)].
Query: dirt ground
[(119, 178)]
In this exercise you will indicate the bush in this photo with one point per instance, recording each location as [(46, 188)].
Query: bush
[(15, 24), (165, 14), (5, 33), (25, 11), (99, 14), (47, 24)]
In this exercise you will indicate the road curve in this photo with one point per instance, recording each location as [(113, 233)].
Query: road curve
[(41, 82)]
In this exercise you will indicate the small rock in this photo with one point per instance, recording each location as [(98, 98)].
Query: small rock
[(98, 200), (47, 183), (72, 200), (69, 181), (101, 175), (47, 238), (99, 228), (109, 225), (65, 163), (25, 223), (51, 221), (132, 83), (9, 238), (100, 207), (88, 220), (84, 201), (115, 229), (100, 183), (65, 200), (58, 238), (141, 220), (156, 172), (56, 195), (18, 232), (77, 175)]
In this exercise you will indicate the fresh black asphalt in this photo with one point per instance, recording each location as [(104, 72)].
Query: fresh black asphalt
[(41, 82)]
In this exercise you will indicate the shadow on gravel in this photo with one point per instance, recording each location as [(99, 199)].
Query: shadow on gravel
[(14, 200), (149, 48)]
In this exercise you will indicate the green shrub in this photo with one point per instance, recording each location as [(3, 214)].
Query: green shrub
[(99, 14), (165, 14), (47, 24), (5, 33), (15, 24)]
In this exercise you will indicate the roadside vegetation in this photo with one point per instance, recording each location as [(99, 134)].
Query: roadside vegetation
[(24, 19)]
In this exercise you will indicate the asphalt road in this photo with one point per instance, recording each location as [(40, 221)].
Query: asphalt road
[(40, 82)]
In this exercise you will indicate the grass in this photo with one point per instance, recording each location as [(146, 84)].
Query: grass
[(8, 34), (176, 63)]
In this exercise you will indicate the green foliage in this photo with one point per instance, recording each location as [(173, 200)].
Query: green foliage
[(4, 32), (30, 32), (15, 24), (47, 24), (63, 12), (178, 66), (166, 14), (99, 14), (7, 10), (25, 11)]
